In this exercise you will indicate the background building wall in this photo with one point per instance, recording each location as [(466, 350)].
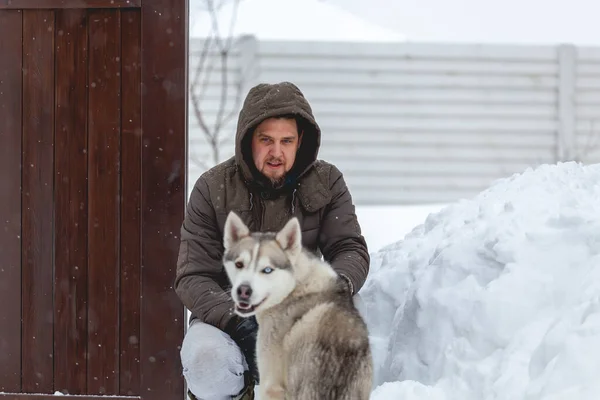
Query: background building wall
[(412, 123)]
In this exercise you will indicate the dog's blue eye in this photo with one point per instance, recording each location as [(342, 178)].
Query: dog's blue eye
[(268, 270)]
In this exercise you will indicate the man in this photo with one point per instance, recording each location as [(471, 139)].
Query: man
[(273, 176)]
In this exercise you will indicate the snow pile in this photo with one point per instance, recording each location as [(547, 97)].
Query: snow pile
[(497, 297)]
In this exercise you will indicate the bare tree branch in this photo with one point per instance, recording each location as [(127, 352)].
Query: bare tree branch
[(201, 65), (225, 141), (196, 160), (202, 74)]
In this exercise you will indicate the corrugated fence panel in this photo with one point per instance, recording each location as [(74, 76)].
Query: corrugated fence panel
[(587, 105), (420, 123), (438, 121)]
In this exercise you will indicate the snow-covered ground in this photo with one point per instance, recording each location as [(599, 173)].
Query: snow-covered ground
[(491, 298), (495, 297)]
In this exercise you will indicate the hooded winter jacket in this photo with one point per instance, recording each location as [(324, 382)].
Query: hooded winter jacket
[(314, 191)]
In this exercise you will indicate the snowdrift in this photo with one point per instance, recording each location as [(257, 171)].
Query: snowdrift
[(496, 297)]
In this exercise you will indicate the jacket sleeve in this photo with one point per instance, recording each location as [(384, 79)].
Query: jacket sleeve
[(341, 240), (199, 264)]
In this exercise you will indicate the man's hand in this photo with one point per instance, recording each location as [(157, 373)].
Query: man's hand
[(243, 332)]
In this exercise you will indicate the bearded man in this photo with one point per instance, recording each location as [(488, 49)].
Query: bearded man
[(273, 176)]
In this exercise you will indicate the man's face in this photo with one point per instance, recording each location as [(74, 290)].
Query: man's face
[(274, 145)]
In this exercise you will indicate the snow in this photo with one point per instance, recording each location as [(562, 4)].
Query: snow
[(404, 218), (289, 20), (494, 297), (491, 298)]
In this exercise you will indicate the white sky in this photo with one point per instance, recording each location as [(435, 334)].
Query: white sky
[(481, 21), (473, 21), (291, 20)]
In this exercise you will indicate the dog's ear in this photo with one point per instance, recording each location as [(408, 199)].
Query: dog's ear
[(290, 237), (234, 230)]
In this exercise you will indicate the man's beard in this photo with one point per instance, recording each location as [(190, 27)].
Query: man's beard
[(278, 181)]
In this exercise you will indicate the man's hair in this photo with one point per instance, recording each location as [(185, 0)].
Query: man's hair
[(300, 126), (299, 121)]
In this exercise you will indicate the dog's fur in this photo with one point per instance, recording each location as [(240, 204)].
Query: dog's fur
[(312, 344)]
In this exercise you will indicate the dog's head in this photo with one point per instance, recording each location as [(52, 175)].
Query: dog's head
[(260, 265)]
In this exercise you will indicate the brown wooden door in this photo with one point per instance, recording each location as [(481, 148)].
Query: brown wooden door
[(92, 194)]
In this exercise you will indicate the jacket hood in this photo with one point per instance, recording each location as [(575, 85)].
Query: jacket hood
[(272, 100)]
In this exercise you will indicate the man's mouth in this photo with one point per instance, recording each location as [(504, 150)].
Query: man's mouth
[(243, 307), (274, 164)]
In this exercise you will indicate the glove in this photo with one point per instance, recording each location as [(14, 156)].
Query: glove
[(243, 332)]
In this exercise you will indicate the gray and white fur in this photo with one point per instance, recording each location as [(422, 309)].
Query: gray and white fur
[(312, 343)]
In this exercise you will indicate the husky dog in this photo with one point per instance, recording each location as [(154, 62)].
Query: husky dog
[(312, 344)]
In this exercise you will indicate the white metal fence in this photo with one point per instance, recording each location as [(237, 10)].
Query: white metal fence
[(417, 123)]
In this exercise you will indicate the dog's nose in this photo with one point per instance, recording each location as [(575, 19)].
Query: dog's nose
[(244, 292)]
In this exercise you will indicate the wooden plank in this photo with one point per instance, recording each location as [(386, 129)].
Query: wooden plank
[(103, 201), (11, 28), (131, 186), (164, 105), (56, 4), (38, 179), (70, 258)]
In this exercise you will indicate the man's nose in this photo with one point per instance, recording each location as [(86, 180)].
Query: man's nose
[(276, 149)]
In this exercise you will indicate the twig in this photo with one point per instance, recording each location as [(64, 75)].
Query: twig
[(201, 80)]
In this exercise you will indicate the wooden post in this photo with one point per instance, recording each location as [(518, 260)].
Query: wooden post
[(567, 55)]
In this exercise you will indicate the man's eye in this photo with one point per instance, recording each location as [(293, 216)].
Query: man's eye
[(239, 265)]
